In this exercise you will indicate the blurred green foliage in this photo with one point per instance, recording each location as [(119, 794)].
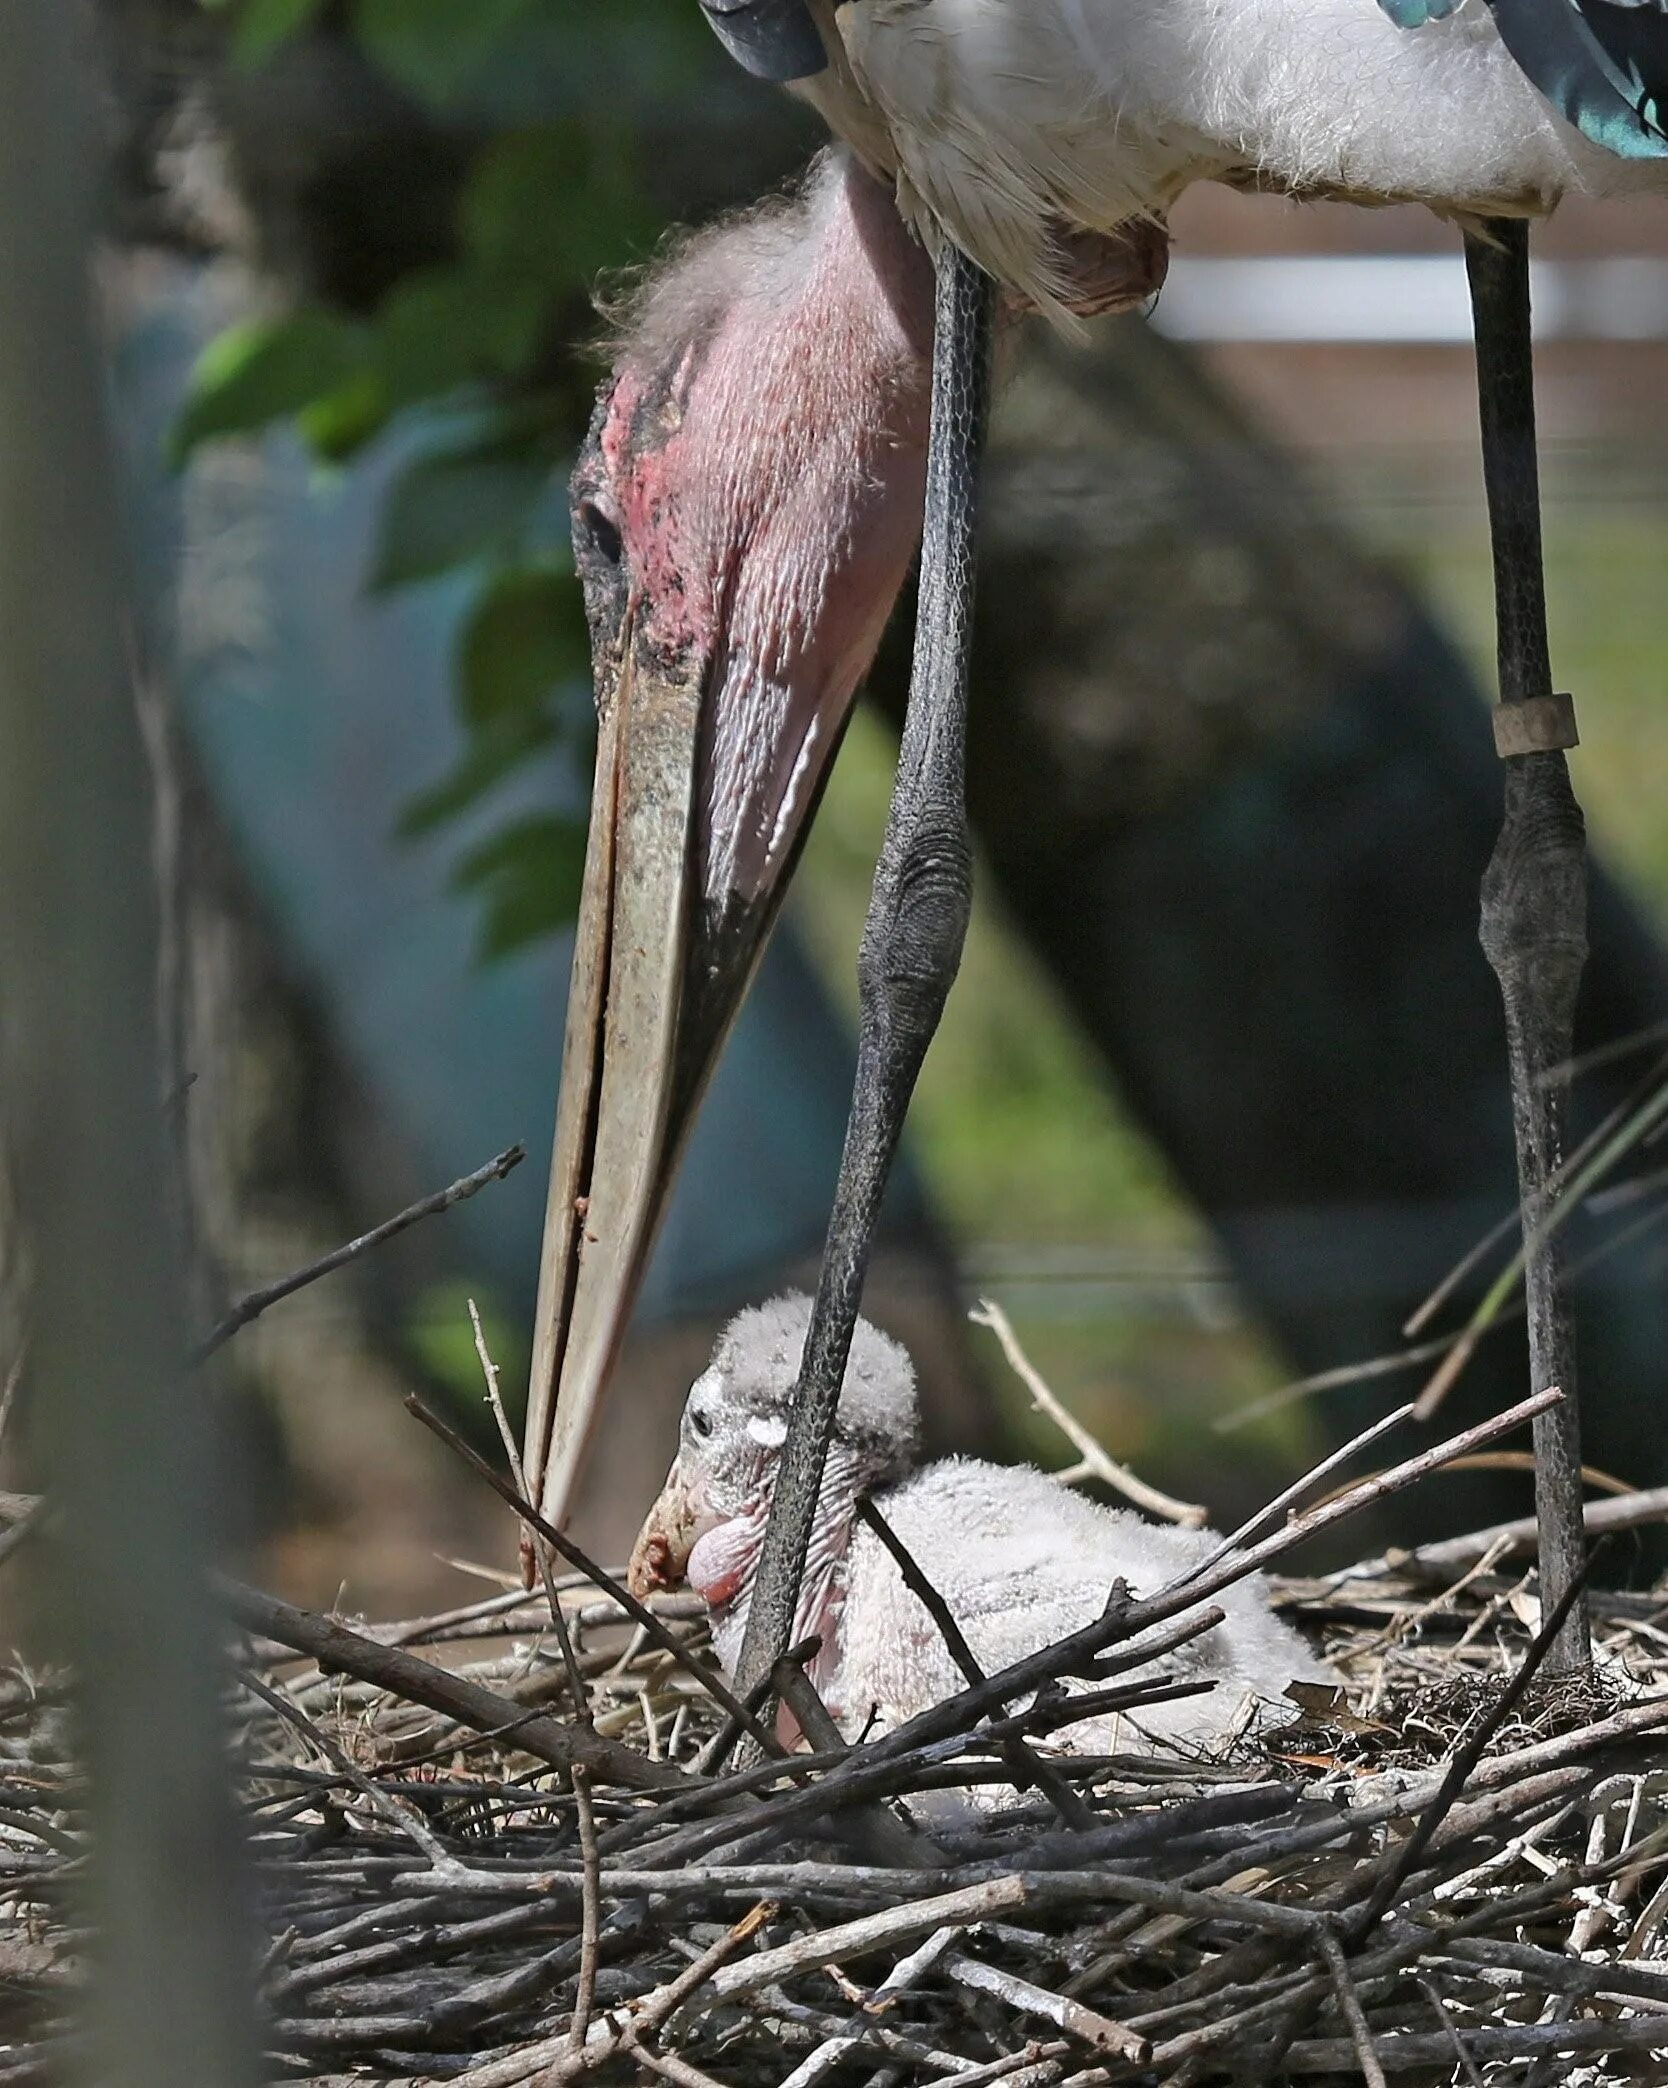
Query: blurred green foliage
[(477, 350)]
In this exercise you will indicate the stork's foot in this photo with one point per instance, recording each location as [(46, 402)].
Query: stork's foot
[(1534, 934)]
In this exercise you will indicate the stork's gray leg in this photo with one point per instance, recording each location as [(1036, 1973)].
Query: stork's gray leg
[(911, 940), (1534, 915)]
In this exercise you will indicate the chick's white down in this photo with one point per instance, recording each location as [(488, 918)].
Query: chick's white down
[(1020, 1560)]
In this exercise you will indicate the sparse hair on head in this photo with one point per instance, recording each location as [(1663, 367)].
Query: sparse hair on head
[(659, 308)]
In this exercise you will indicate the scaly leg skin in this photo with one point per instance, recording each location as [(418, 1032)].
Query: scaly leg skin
[(911, 940), (1534, 911)]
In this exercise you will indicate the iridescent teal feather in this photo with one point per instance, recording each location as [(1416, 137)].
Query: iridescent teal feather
[(1603, 64), (1414, 14)]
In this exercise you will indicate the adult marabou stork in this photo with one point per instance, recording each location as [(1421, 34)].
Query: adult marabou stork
[(740, 525)]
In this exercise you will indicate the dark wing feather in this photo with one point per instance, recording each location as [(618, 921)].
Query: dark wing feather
[(1603, 64)]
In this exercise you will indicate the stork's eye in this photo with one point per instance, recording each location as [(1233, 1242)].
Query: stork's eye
[(699, 1424), (602, 532)]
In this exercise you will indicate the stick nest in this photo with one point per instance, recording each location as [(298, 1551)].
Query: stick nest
[(1429, 1874)]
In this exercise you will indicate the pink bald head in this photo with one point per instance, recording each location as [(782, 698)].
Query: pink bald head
[(755, 479)]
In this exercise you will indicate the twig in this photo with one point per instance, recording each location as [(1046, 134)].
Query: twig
[(1027, 1763), (333, 1645), (255, 1302), (1349, 2006), (1453, 1554), (506, 1435), (989, 1314), (1466, 1758), (629, 2027), (1265, 1518), (591, 1870), (405, 1818), (1089, 2024), (1439, 2007)]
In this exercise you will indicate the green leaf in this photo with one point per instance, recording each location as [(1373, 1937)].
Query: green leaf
[(434, 48), (340, 424), (488, 759), (454, 506), (262, 25), (528, 877), (525, 634), (442, 328), (263, 370), (556, 202)]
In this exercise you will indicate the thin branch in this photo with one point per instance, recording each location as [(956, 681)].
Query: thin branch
[(1024, 1759), (1349, 2007), (334, 1646), (590, 1867), (989, 1314), (506, 1435), (255, 1302)]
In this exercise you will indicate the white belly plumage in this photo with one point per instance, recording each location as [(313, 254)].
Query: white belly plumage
[(1003, 118)]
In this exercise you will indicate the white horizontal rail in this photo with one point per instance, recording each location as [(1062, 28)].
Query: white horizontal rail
[(1417, 299)]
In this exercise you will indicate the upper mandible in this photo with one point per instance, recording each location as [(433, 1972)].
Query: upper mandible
[(772, 39)]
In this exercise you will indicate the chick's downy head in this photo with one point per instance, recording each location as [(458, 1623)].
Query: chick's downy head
[(709, 1520)]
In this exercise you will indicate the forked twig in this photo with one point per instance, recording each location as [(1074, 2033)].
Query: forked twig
[(1101, 1465)]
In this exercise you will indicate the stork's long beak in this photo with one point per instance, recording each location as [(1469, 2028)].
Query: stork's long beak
[(657, 979)]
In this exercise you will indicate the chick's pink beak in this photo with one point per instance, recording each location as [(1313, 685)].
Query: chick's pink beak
[(669, 1534)]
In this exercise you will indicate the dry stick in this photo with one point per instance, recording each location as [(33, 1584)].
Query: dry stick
[(1299, 1487), (903, 1975), (506, 1435), (883, 1767), (671, 2068), (590, 1916), (881, 1834), (1467, 2065), (402, 1674), (406, 1819), (640, 1613), (254, 1303), (1414, 2050), (1342, 1375), (1025, 1760), (1360, 1922), (622, 2030), (1629, 1511), (1074, 2017), (1349, 2007), (989, 1314)]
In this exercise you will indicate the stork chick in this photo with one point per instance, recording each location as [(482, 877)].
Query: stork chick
[(1020, 1560)]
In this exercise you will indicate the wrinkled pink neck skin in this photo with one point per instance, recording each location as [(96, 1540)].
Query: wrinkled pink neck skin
[(724, 1564), (771, 489)]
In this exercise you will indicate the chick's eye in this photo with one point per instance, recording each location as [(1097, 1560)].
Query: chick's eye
[(700, 1424), (603, 533)]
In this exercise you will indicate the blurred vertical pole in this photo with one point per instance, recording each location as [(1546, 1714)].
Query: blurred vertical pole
[(124, 1444)]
